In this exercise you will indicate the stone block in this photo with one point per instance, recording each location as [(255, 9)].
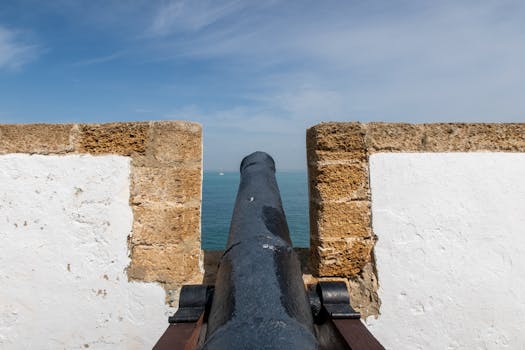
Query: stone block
[(445, 137), (496, 137), (339, 182), (336, 137), (171, 185), (342, 220), (114, 138), (165, 225), (170, 264), (395, 137), (177, 141), (334, 157), (340, 257), (36, 138)]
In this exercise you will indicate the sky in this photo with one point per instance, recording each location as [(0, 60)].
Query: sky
[(257, 74)]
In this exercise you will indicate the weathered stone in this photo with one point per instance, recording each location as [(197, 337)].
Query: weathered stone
[(340, 257), (171, 185), (395, 137), (363, 291), (343, 220), (113, 138), (165, 225), (336, 137), (339, 182), (445, 137), (168, 264), (176, 141), (332, 157), (496, 137), (36, 138)]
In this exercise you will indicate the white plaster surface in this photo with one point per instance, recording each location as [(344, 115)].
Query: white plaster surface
[(451, 250), (64, 223)]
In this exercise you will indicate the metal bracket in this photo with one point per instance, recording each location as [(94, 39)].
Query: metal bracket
[(193, 301), (332, 298)]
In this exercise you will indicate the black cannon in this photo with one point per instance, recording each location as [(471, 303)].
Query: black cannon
[(259, 300)]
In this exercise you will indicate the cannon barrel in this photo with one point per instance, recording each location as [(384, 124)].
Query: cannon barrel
[(259, 300)]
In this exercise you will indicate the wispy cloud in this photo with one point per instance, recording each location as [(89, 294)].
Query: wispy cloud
[(258, 71), (413, 61), (182, 16), (99, 60), (14, 51)]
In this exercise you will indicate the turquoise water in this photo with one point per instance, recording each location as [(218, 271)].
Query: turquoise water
[(218, 199)]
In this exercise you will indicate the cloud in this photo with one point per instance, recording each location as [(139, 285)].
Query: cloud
[(14, 51), (99, 60), (258, 71), (176, 17)]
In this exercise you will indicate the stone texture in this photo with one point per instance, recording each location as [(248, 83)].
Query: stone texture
[(336, 137), (165, 264), (36, 138), (165, 225), (363, 291), (176, 142), (343, 220), (117, 138), (339, 182), (496, 137), (340, 257), (395, 137), (171, 186), (330, 157), (444, 137)]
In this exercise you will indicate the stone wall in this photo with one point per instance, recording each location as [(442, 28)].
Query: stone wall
[(449, 251), (341, 235), (165, 187)]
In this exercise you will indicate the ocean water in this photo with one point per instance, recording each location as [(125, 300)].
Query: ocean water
[(218, 199)]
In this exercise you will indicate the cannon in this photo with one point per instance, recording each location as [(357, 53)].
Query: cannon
[(259, 300)]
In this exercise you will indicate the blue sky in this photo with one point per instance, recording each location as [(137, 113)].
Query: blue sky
[(256, 74)]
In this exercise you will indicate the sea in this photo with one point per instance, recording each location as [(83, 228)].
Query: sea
[(219, 190)]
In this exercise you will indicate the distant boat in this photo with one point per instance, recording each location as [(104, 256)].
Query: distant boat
[(221, 173)]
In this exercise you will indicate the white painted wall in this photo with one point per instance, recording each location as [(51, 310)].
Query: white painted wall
[(451, 250), (64, 223)]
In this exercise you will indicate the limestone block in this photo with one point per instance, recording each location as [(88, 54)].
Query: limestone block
[(171, 185), (35, 138), (336, 137), (117, 138), (340, 257), (331, 157), (176, 141), (171, 264), (342, 220), (445, 137), (339, 182), (395, 137), (165, 225), (496, 137)]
